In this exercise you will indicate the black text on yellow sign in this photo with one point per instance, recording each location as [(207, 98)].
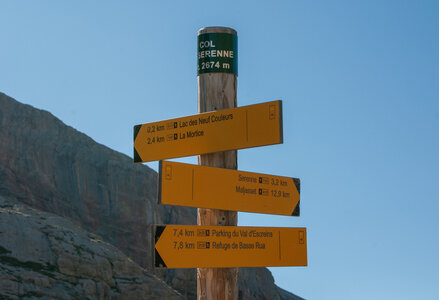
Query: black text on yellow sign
[(185, 246), (229, 129), (217, 188)]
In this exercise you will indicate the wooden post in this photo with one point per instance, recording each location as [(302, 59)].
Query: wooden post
[(217, 91)]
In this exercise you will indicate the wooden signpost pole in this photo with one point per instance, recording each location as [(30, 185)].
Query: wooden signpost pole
[(217, 83)]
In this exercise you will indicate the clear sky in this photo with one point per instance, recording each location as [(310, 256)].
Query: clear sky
[(359, 82)]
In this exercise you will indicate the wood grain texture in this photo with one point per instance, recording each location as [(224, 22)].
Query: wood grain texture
[(217, 91)]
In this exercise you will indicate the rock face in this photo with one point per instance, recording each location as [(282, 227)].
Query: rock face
[(53, 168), (46, 256)]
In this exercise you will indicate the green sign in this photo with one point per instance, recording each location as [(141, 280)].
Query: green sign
[(217, 53)]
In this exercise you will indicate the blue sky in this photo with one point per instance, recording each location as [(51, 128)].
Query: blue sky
[(359, 82)]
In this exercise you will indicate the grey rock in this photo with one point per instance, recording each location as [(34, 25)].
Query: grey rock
[(55, 168), (258, 283), (63, 261)]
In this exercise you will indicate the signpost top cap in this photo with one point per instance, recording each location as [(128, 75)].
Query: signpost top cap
[(215, 29)]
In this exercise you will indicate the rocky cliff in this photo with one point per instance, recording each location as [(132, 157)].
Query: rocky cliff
[(46, 256), (48, 167)]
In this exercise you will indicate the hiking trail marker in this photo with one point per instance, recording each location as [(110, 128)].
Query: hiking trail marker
[(216, 246), (217, 188), (186, 246), (222, 130)]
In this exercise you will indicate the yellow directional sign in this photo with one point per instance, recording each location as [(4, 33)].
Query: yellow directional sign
[(229, 129), (217, 188), (184, 246)]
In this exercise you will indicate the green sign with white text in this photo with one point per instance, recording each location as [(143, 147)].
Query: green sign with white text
[(217, 53)]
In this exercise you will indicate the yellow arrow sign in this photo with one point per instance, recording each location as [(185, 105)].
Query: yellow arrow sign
[(184, 246), (208, 187), (229, 129)]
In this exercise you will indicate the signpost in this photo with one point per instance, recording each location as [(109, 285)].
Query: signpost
[(185, 246), (216, 246), (227, 129), (207, 187)]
